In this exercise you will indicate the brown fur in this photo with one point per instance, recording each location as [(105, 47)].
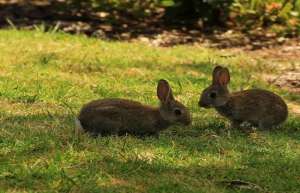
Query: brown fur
[(121, 116), (259, 107)]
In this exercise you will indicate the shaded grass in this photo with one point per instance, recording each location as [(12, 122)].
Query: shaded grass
[(45, 79)]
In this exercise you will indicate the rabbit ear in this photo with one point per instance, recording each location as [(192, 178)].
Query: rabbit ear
[(223, 77), (215, 74), (164, 91)]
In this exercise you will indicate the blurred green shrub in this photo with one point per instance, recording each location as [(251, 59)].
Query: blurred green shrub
[(280, 16), (209, 12)]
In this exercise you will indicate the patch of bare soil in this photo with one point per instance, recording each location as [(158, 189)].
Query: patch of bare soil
[(284, 58), (289, 80), (295, 108)]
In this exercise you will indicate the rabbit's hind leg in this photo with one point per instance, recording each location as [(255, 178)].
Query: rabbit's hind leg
[(154, 135), (148, 134), (266, 124), (243, 126), (106, 127), (236, 124)]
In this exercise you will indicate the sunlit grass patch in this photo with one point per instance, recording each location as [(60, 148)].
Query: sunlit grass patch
[(46, 78)]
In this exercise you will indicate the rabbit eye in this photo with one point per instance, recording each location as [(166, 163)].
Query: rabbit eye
[(177, 112), (213, 95)]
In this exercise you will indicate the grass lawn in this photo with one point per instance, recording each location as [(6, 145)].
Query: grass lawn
[(46, 78)]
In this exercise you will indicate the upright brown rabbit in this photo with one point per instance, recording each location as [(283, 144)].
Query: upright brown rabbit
[(120, 116), (258, 107)]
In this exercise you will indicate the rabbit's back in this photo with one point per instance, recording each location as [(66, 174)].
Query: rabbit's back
[(115, 102), (117, 116), (256, 106)]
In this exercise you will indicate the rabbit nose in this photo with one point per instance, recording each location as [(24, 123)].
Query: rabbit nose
[(202, 104), (187, 120)]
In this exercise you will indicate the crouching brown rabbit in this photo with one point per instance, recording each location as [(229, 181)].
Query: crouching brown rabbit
[(258, 107), (120, 116)]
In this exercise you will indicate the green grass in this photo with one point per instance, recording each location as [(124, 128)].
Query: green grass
[(46, 78)]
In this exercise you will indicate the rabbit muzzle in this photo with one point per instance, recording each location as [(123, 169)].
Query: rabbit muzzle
[(187, 121), (203, 104)]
